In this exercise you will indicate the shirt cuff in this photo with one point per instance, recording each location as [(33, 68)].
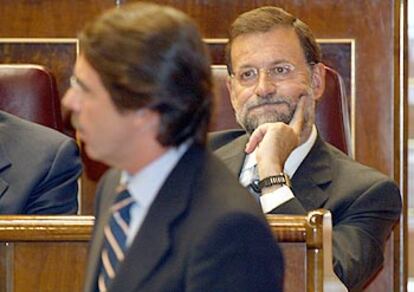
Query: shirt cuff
[(276, 198)]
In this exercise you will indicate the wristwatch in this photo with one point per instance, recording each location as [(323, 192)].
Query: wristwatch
[(278, 179)]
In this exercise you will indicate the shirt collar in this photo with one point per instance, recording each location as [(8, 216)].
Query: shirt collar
[(295, 158), (145, 185)]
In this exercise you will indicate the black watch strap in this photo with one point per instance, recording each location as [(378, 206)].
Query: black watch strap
[(278, 179)]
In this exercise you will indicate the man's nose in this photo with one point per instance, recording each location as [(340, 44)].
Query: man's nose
[(70, 100), (265, 85)]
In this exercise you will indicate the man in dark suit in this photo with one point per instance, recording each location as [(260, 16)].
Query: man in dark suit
[(39, 168), (141, 101), (275, 79)]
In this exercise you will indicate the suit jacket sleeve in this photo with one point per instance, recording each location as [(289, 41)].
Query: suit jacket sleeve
[(364, 204), (360, 233), (57, 192), (361, 224), (227, 247)]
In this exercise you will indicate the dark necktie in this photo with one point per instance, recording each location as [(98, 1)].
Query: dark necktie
[(115, 234)]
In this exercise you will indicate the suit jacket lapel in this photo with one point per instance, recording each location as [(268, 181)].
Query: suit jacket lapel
[(232, 154), (152, 242), (312, 177)]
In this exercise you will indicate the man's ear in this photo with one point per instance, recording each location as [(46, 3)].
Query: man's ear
[(145, 119), (318, 80), (228, 84)]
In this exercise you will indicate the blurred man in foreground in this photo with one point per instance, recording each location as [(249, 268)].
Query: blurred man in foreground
[(141, 100)]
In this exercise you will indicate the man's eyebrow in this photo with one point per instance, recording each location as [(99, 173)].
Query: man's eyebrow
[(281, 61), (75, 81), (274, 63)]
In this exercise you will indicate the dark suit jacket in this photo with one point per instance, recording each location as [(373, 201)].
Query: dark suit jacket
[(203, 232), (39, 168), (364, 203)]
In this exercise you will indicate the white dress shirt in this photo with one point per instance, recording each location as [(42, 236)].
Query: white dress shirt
[(276, 198), (145, 185)]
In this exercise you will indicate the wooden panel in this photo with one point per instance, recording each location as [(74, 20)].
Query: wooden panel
[(295, 266), (373, 24), (48, 18), (370, 23), (58, 55), (53, 266), (43, 253), (48, 253), (375, 73), (411, 118), (3, 267)]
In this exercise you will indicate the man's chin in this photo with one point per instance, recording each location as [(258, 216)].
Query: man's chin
[(90, 151)]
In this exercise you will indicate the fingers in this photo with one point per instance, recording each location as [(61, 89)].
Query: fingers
[(296, 124), (298, 117), (255, 138)]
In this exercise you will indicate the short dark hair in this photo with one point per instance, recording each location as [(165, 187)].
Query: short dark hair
[(153, 56), (266, 18)]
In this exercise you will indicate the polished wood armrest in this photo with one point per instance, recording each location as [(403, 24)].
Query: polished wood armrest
[(45, 228), (306, 242)]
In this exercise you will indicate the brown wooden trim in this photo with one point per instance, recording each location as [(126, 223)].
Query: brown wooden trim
[(45, 228), (307, 229), (288, 228), (400, 126)]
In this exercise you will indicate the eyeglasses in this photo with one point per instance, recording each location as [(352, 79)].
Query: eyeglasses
[(249, 76)]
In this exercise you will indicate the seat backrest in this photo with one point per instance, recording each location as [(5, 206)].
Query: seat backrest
[(332, 110), (30, 92)]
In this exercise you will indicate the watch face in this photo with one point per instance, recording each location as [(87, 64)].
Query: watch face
[(255, 186)]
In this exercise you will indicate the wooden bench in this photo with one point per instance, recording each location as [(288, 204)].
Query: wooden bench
[(49, 253), (43, 253)]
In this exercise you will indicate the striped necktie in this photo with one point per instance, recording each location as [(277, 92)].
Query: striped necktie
[(115, 234)]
